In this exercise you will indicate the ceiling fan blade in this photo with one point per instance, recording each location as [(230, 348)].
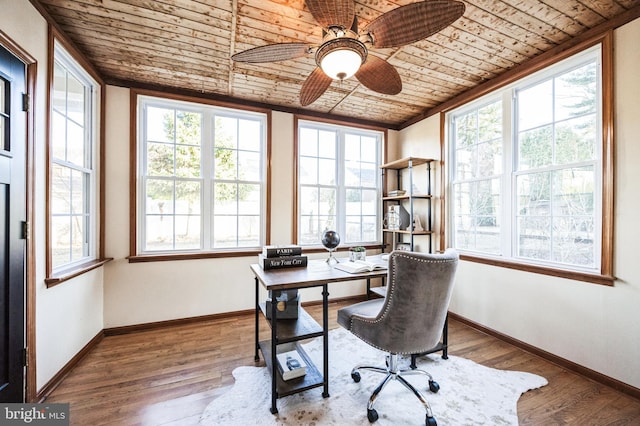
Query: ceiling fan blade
[(413, 22), (273, 53), (314, 86), (333, 12), (379, 76)]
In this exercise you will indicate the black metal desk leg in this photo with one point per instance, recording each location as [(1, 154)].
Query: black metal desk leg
[(274, 370), (257, 354), (445, 338), (325, 339)]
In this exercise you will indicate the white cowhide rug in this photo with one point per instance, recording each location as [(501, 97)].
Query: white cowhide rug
[(470, 394)]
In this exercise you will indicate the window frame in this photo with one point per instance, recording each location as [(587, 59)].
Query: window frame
[(75, 63), (604, 275), (136, 211), (342, 128)]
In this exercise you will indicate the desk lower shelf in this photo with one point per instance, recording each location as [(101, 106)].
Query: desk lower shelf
[(312, 379), (291, 330)]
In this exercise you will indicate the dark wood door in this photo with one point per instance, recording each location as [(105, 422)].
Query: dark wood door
[(12, 226)]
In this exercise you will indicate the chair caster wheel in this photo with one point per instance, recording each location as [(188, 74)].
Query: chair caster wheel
[(431, 421), (434, 386), (372, 415), (355, 376)]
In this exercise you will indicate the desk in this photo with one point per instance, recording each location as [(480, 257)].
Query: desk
[(318, 273)]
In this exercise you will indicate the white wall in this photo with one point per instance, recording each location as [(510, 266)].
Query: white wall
[(137, 293), (69, 315), (593, 325)]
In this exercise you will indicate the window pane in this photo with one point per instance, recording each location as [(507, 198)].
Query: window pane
[(327, 202), (534, 237), (187, 198), (250, 137), (466, 160), (308, 142), (576, 92), (159, 233), (75, 99), (225, 231), (59, 92), (535, 148), (466, 130), (78, 188), (188, 131), (490, 158), (249, 231), (78, 226), (58, 136), (187, 161), (309, 197), (327, 144), (249, 199), (308, 170), (226, 132), (490, 122), (187, 232), (159, 159), (249, 166), (535, 106), (60, 190), (327, 175), (60, 232), (159, 197), (225, 198), (575, 140), (226, 164), (75, 143), (160, 124)]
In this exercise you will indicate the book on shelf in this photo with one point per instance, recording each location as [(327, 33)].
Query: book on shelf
[(291, 365), (282, 262), (359, 266), (281, 250)]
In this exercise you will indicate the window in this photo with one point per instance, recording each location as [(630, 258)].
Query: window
[(73, 178), (526, 169), (201, 177), (338, 183)]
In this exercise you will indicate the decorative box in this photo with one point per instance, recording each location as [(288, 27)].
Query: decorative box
[(287, 303)]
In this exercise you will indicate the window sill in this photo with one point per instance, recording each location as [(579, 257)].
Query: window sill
[(221, 254), (60, 277), (190, 256), (571, 275)]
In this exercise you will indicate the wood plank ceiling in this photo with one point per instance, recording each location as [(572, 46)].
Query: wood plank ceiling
[(187, 45)]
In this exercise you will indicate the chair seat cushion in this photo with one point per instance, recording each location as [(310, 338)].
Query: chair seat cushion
[(369, 309)]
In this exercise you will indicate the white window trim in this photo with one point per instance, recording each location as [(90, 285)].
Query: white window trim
[(342, 130), (508, 95), (92, 112), (206, 214)]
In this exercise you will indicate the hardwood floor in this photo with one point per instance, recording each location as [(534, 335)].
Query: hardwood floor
[(168, 376)]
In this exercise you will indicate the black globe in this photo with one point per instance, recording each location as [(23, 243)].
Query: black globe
[(330, 239)]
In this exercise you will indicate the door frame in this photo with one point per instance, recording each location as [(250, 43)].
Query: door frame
[(30, 300)]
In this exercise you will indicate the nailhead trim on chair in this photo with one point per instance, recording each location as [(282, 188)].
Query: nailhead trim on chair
[(392, 267)]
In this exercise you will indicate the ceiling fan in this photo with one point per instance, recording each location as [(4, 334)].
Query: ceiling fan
[(343, 51)]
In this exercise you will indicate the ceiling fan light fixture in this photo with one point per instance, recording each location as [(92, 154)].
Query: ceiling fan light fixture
[(340, 58)]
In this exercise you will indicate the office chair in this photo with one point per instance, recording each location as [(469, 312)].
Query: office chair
[(408, 320)]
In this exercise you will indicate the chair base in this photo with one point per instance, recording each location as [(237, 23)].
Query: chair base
[(392, 372)]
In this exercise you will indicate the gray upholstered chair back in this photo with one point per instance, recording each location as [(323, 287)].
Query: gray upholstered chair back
[(419, 287)]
